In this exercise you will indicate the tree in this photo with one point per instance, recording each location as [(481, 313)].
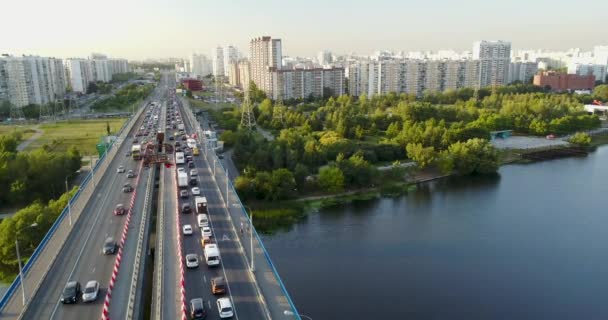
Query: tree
[(92, 87), (421, 155), (283, 184), (472, 156), (331, 179), (581, 139), (601, 92)]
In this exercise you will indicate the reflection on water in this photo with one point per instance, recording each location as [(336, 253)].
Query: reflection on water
[(529, 243)]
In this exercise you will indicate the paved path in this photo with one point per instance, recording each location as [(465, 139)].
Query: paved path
[(33, 138)]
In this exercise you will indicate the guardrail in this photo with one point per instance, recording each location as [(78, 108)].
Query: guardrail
[(210, 155), (101, 165), (158, 261)]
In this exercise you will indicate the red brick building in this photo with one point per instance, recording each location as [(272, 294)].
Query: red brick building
[(564, 82), (192, 84)]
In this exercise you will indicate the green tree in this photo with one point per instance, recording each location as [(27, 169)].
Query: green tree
[(331, 179), (472, 156), (581, 139), (601, 92), (421, 155), (283, 184)]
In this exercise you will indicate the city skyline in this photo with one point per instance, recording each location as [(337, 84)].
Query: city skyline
[(162, 29)]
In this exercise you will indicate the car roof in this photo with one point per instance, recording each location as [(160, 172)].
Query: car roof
[(224, 302), (109, 239), (71, 284), (91, 283), (197, 301), (218, 280)]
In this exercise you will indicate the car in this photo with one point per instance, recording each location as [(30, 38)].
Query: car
[(128, 154), (207, 232), (120, 209), (197, 309), (135, 139), (109, 246), (186, 208), (187, 229), (183, 194), (191, 260), (178, 149), (224, 306), (193, 181), (221, 156), (90, 292), (171, 138), (120, 169), (180, 169), (131, 174), (191, 164), (126, 188), (193, 172), (218, 285), (184, 138), (189, 158), (70, 292), (196, 191), (177, 144)]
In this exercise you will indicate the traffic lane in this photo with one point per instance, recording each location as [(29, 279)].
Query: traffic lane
[(93, 264), (171, 303), (45, 301), (244, 294), (120, 292)]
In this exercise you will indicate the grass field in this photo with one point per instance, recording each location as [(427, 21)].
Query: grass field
[(26, 131), (206, 105), (83, 134)]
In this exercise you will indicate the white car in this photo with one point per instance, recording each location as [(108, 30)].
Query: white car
[(180, 169), (120, 169), (225, 308), (90, 291), (207, 232), (191, 260), (196, 191), (193, 172), (187, 229)]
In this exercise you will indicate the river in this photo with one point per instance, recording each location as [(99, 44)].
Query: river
[(529, 243)]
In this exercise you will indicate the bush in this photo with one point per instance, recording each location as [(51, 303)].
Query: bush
[(581, 139)]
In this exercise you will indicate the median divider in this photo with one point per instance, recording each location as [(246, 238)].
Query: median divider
[(77, 203), (182, 282), (106, 305)]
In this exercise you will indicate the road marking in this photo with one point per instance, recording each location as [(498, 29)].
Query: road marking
[(205, 278), (225, 238), (93, 271)]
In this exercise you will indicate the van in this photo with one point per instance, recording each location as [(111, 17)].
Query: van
[(203, 220), (212, 254)]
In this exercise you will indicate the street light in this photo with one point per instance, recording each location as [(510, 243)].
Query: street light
[(252, 268), (291, 313), (67, 190), (33, 225)]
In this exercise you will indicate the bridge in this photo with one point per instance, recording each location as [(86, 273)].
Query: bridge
[(147, 277)]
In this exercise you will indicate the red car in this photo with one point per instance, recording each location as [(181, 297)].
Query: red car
[(120, 210)]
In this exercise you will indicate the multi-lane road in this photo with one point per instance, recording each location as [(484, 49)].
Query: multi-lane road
[(81, 259)]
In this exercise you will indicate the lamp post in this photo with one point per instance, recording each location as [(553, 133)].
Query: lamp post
[(19, 261), (252, 267), (67, 190), (291, 313)]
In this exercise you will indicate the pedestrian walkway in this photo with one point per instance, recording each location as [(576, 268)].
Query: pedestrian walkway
[(23, 145)]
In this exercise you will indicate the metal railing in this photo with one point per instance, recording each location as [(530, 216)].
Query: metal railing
[(158, 261)]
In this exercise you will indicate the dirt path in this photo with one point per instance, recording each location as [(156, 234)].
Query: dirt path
[(33, 138)]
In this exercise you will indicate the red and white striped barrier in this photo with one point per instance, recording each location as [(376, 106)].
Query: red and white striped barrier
[(105, 314)]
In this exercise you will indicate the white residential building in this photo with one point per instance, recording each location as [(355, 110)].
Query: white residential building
[(78, 74), (31, 80), (200, 65), (325, 58), (3, 81), (218, 62), (587, 66), (231, 55), (494, 58), (522, 71)]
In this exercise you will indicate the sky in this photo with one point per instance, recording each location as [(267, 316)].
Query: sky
[(139, 29)]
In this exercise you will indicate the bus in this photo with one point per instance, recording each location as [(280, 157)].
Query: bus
[(136, 152)]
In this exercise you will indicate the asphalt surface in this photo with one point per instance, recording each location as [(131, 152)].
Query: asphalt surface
[(233, 267), (81, 258)]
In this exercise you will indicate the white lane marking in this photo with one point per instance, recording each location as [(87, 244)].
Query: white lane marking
[(205, 278)]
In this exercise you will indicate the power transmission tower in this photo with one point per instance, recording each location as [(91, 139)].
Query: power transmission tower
[(45, 111), (219, 94), (247, 116), (279, 110)]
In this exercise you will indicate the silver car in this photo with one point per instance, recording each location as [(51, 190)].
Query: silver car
[(90, 292)]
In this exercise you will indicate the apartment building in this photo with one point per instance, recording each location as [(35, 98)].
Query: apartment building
[(218, 62), (494, 58), (305, 83), (563, 82), (265, 56), (3, 81), (200, 65), (522, 71), (244, 77), (586, 66), (231, 55), (78, 74)]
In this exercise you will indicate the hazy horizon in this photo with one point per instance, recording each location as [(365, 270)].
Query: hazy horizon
[(162, 29)]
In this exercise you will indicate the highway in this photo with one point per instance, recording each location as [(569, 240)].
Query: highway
[(81, 258), (234, 267)]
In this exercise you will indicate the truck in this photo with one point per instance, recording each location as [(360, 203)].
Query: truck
[(212, 254), (182, 180), (179, 158), (180, 127), (136, 151), (200, 204)]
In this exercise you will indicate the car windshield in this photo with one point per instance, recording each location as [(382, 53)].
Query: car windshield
[(226, 309), (89, 289), (69, 290)]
